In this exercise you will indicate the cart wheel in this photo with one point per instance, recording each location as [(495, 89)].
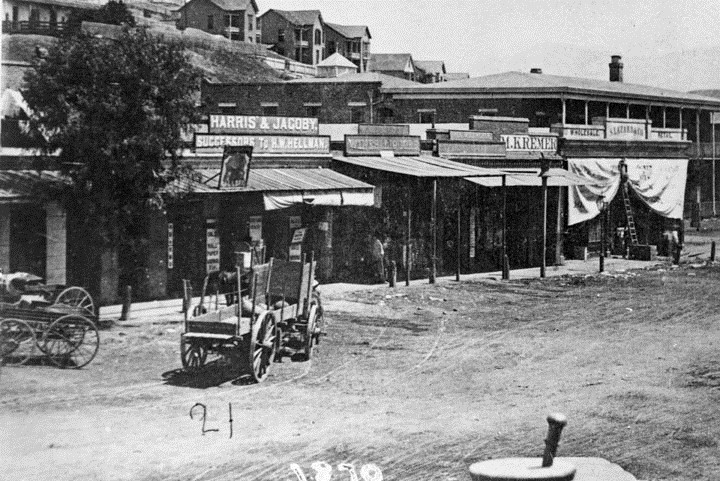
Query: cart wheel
[(71, 341), (263, 345), (17, 342), (193, 356), (310, 336), (76, 298)]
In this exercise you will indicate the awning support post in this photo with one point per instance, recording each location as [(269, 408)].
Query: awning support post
[(433, 220), (505, 263), (458, 248)]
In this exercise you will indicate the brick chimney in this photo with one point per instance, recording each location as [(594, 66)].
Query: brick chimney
[(616, 68), (535, 70)]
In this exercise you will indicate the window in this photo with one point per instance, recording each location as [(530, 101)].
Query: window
[(270, 110), (298, 34), (318, 37), (317, 57), (426, 116), (250, 22), (298, 56), (281, 35), (211, 22), (331, 48), (232, 21), (357, 115), (312, 111), (257, 38)]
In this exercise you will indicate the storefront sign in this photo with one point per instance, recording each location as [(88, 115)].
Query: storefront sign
[(471, 135), (715, 118), (383, 129), (212, 246), (298, 236), (529, 143), (373, 145), (256, 124), (171, 246), (265, 144), (295, 253), (255, 226), (569, 131), (295, 222), (667, 134), (624, 129), (452, 148)]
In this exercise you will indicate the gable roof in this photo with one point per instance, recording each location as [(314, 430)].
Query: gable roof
[(431, 66), (298, 17), (230, 5), (531, 83), (336, 60), (350, 31), (383, 62)]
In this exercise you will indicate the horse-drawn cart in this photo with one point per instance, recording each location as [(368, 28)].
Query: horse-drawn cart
[(60, 322), (275, 315)]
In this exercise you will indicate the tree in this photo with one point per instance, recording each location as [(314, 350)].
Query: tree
[(115, 110)]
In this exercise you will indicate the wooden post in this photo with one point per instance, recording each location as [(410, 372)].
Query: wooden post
[(433, 221), (393, 273), (712, 252), (544, 227), (712, 126), (407, 248), (564, 110), (505, 261), (127, 304), (587, 119), (458, 249)]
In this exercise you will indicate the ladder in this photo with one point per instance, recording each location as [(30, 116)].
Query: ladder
[(629, 215)]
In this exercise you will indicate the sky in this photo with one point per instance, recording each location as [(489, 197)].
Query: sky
[(490, 36)]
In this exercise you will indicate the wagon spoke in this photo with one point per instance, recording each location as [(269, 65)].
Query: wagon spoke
[(17, 342)]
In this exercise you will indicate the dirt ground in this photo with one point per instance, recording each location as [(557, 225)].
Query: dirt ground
[(420, 381)]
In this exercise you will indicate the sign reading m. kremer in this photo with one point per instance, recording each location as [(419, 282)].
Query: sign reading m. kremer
[(528, 143)]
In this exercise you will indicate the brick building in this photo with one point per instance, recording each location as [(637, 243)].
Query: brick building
[(350, 41), (297, 34), (234, 19)]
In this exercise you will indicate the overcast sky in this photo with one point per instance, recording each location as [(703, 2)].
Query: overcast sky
[(488, 36)]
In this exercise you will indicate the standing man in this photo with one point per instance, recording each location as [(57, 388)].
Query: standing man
[(378, 259)]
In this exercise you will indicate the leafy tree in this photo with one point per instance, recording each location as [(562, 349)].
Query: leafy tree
[(115, 110)]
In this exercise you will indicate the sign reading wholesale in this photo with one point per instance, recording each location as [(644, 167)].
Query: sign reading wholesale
[(530, 143), (267, 144), (257, 124)]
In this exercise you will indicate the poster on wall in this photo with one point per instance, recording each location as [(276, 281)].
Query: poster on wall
[(471, 240), (235, 167), (295, 222), (295, 254), (170, 246), (298, 236), (212, 246), (255, 225)]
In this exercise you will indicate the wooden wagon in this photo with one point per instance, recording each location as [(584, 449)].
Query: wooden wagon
[(63, 329), (279, 316)]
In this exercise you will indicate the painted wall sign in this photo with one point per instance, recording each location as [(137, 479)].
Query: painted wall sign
[(627, 129), (265, 144), (458, 149), (295, 253), (212, 246), (257, 124), (668, 134), (171, 246), (472, 135), (255, 226), (373, 145), (529, 143), (472, 232), (383, 129), (570, 131)]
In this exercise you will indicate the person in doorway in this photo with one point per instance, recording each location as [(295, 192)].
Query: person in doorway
[(377, 259)]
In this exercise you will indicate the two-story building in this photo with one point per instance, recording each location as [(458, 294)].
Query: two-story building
[(400, 65), (234, 19), (350, 41), (40, 16), (295, 34)]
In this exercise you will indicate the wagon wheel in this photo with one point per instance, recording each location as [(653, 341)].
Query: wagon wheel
[(263, 345), (193, 356), (71, 341), (17, 342), (310, 336), (76, 298)]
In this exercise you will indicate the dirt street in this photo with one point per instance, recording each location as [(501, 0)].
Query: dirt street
[(419, 381)]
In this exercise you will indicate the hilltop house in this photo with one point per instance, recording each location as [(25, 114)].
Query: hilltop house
[(433, 71), (400, 65), (234, 19), (295, 34), (350, 41)]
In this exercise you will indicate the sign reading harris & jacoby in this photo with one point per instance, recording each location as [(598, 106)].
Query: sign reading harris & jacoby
[(359, 145), (266, 144), (263, 125)]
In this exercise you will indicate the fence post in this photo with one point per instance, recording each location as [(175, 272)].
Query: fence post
[(127, 303)]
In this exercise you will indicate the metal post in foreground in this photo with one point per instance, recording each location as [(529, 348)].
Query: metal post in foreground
[(127, 303)]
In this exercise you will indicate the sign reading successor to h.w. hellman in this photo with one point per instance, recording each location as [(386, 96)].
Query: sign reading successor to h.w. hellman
[(267, 144), (258, 124)]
